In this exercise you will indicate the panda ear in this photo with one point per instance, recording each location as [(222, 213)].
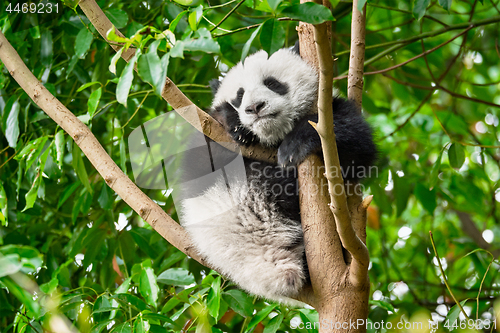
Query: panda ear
[(296, 48), (214, 85)]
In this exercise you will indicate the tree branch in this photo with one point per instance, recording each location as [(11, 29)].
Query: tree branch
[(107, 168), (357, 57)]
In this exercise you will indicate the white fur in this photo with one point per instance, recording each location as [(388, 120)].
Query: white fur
[(249, 250), (285, 66)]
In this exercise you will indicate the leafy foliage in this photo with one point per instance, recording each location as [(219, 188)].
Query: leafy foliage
[(97, 264)]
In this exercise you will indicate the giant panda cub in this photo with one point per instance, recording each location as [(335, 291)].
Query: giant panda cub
[(250, 230)]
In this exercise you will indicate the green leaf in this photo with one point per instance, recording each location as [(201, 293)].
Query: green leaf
[(23, 296), (157, 316), (114, 60), (4, 207), (83, 42), (105, 198), (213, 298), (446, 4), (79, 167), (195, 16), (86, 85), (239, 302), (272, 36), (93, 101), (419, 8), (176, 277), (426, 197), (123, 155), (50, 286), (59, 144), (46, 51), (10, 264), (454, 312), (123, 86), (118, 17), (123, 288), (112, 36), (435, 169), (383, 304), (95, 240), (141, 325), (309, 12), (274, 324), (31, 259), (12, 125), (150, 68), (456, 155), (260, 316), (248, 44), (32, 150), (203, 43), (174, 23), (33, 192), (122, 328), (184, 2), (68, 191), (127, 299), (148, 286), (273, 4), (401, 192)]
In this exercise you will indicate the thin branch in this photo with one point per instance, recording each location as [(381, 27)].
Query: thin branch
[(228, 14), (380, 55), (444, 277), (418, 56), (404, 11), (457, 95)]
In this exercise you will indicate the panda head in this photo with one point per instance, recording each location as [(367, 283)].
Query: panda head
[(268, 94)]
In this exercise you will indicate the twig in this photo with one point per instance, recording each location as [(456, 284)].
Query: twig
[(444, 277), (418, 56), (382, 54), (228, 14)]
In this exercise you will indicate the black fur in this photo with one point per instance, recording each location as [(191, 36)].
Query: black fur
[(278, 87), (355, 146), (229, 118)]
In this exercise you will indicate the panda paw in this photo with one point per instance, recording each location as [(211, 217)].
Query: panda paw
[(293, 152), (243, 136)]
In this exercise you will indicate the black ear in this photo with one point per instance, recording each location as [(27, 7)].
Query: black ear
[(214, 85), (296, 48)]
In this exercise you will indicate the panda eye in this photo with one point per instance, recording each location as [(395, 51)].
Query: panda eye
[(239, 97), (276, 86)]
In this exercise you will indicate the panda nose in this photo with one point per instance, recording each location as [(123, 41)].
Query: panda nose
[(255, 108)]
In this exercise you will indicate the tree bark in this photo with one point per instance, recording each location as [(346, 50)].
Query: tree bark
[(333, 222)]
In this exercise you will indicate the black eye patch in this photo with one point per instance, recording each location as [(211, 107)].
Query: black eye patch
[(239, 97), (276, 86)]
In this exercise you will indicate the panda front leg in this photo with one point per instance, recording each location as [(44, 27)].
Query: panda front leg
[(248, 239)]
